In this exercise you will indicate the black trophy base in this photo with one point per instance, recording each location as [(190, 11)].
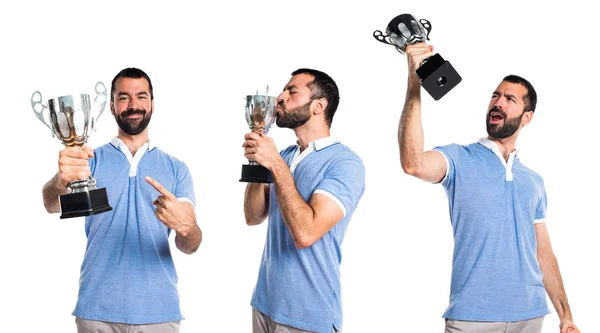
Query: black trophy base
[(256, 174), (84, 203), (437, 76)]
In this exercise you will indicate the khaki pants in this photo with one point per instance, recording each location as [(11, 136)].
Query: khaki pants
[(261, 323), (94, 326), (525, 326)]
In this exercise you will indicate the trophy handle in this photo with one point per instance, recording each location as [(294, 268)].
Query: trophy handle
[(100, 93), (427, 25), (35, 102), (381, 37)]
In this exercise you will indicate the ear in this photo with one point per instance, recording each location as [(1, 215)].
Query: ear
[(112, 108), (527, 116), (320, 105), (152, 106)]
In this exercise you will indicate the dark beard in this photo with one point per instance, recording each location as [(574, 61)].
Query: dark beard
[(133, 127), (294, 117), (509, 127)]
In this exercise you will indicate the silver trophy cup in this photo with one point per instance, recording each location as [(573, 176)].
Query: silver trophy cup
[(437, 75), (70, 119), (260, 115)]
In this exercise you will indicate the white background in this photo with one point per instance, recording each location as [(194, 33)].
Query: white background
[(204, 59)]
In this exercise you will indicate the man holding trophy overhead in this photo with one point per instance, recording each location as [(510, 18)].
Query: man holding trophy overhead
[(128, 277), (503, 264), (317, 185)]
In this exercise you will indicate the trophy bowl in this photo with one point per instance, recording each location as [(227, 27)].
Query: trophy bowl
[(260, 114), (70, 120)]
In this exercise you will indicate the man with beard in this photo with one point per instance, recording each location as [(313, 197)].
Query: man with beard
[(128, 278), (503, 263), (317, 185)]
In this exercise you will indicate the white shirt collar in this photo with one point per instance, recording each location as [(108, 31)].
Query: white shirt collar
[(118, 143), (133, 160), (491, 145), (322, 143), (316, 145)]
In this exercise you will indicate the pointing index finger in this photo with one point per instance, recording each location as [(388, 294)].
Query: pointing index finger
[(158, 186)]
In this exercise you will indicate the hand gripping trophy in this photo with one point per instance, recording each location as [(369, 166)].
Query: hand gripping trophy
[(437, 75), (71, 121), (260, 115)]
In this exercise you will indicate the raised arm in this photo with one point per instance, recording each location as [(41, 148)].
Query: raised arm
[(426, 165)]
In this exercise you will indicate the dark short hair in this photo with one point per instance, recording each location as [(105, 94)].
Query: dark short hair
[(131, 73), (531, 97), (322, 86)]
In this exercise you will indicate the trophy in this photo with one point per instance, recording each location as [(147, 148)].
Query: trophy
[(260, 115), (436, 74), (71, 122)]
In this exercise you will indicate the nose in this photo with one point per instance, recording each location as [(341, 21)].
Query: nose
[(285, 94), (280, 99), (499, 103), (133, 103)]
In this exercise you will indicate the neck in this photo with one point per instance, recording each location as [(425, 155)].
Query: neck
[(308, 133), (133, 142), (506, 145)]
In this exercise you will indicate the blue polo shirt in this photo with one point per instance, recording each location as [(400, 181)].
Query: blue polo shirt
[(301, 288), (493, 204), (128, 275)]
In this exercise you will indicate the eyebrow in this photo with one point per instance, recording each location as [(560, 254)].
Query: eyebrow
[(507, 95), (121, 93), (290, 87)]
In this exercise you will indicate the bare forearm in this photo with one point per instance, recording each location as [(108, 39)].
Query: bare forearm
[(189, 240), (410, 129), (50, 193), (297, 214), (256, 203), (554, 285)]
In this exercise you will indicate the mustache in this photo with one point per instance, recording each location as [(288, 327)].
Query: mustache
[(495, 109), (130, 112)]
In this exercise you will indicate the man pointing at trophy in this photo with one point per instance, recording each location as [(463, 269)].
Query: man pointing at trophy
[(128, 278), (503, 264), (317, 184)]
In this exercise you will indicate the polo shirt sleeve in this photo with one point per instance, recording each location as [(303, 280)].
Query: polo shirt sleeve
[(184, 188), (540, 210), (344, 183), (450, 153)]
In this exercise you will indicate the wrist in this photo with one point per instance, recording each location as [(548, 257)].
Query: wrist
[(60, 185), (566, 316), (279, 168), (186, 229)]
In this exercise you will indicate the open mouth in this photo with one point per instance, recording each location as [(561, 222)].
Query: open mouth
[(496, 118)]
